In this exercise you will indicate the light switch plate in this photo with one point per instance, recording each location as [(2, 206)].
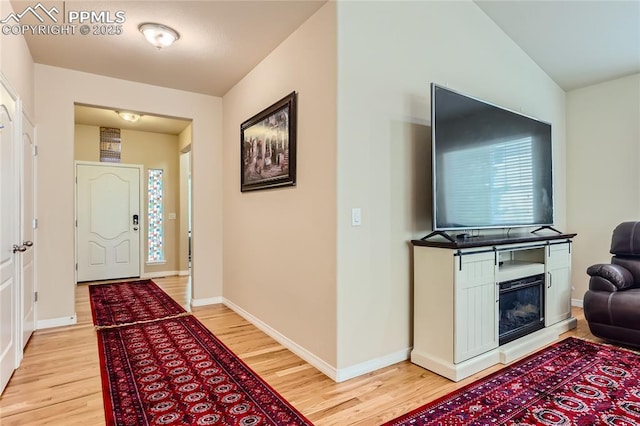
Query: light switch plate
[(356, 216)]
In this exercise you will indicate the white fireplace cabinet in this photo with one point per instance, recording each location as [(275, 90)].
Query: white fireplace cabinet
[(456, 299)]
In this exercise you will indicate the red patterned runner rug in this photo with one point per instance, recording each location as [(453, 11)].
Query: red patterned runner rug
[(573, 382), (131, 302), (174, 371)]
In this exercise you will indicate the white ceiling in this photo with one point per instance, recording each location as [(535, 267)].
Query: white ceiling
[(220, 41), (576, 42)]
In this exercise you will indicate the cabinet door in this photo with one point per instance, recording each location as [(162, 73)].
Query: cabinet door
[(558, 284), (476, 305)]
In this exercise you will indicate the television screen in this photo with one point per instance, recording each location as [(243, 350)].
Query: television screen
[(492, 167)]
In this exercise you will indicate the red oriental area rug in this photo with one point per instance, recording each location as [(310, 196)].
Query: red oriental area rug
[(130, 302), (174, 371), (573, 382)]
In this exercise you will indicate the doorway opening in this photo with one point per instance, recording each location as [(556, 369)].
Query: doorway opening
[(156, 143)]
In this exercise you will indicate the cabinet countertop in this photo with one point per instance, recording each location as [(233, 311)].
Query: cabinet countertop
[(488, 240)]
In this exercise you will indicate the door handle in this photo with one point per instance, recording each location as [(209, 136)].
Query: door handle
[(27, 243), (17, 248)]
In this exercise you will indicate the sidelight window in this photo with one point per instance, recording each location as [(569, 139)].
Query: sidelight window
[(155, 229)]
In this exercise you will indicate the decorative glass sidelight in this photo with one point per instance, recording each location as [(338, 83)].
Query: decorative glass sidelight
[(155, 229)]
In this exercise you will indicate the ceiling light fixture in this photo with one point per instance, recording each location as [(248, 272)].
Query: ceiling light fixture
[(158, 35), (128, 116)]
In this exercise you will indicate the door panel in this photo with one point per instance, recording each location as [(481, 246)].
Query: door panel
[(108, 241), (123, 252), (9, 226), (28, 257), (98, 254)]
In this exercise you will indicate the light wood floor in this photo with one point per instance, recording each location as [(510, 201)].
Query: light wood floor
[(58, 382)]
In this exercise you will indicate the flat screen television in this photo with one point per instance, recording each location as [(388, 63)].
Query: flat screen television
[(492, 167)]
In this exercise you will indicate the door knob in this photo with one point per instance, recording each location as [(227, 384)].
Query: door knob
[(17, 248), (27, 243)]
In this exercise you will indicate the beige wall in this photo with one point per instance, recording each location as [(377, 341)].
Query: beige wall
[(56, 91), (388, 54), (184, 146), (86, 148), (17, 65), (184, 139), (382, 157), (153, 151), (603, 153), (280, 244), (185, 171)]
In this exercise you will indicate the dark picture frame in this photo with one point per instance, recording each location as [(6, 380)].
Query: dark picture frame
[(268, 147)]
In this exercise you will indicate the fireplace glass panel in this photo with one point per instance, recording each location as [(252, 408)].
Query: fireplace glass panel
[(521, 307)]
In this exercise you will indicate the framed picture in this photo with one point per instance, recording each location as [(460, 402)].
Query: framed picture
[(268, 147)]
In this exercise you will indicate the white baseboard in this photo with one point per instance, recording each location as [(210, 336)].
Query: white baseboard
[(459, 371), (160, 274), (577, 303), (285, 341), (56, 322), (184, 273), (373, 364), (336, 374), (207, 301)]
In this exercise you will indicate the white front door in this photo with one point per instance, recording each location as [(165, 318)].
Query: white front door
[(9, 225), (109, 221), (27, 277)]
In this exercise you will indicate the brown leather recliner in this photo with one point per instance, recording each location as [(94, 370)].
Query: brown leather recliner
[(612, 303)]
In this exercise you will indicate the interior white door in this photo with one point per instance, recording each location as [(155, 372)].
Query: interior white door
[(109, 221), (27, 215), (9, 226)]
